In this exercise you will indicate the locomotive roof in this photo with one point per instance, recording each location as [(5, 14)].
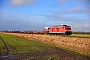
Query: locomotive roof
[(61, 25)]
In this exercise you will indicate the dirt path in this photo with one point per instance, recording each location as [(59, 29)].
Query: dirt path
[(50, 52)]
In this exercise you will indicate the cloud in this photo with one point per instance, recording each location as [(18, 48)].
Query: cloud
[(61, 2), (14, 21), (81, 27), (88, 6), (5, 21), (85, 4), (21, 2), (88, 1), (73, 14), (72, 11), (77, 13), (75, 10)]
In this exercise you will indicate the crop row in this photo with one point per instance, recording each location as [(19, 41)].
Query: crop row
[(3, 49), (22, 45)]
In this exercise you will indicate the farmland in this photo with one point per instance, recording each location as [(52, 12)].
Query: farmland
[(2, 48), (81, 35), (77, 43), (35, 49), (22, 45)]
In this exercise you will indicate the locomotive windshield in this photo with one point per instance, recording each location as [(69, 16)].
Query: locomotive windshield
[(68, 28)]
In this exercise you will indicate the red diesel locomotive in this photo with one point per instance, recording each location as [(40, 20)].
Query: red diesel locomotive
[(60, 29)]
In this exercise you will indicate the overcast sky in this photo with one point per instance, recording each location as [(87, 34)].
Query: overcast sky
[(36, 14)]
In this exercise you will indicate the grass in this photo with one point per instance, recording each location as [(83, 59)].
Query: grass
[(2, 48), (81, 35), (20, 45)]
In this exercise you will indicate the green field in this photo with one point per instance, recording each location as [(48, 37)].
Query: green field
[(81, 35), (21, 45), (2, 48)]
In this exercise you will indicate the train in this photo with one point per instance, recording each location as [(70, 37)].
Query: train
[(60, 29)]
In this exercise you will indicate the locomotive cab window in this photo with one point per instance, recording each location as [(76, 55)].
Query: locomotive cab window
[(48, 28), (68, 28)]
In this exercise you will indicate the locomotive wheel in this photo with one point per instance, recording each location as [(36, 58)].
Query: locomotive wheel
[(68, 33)]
